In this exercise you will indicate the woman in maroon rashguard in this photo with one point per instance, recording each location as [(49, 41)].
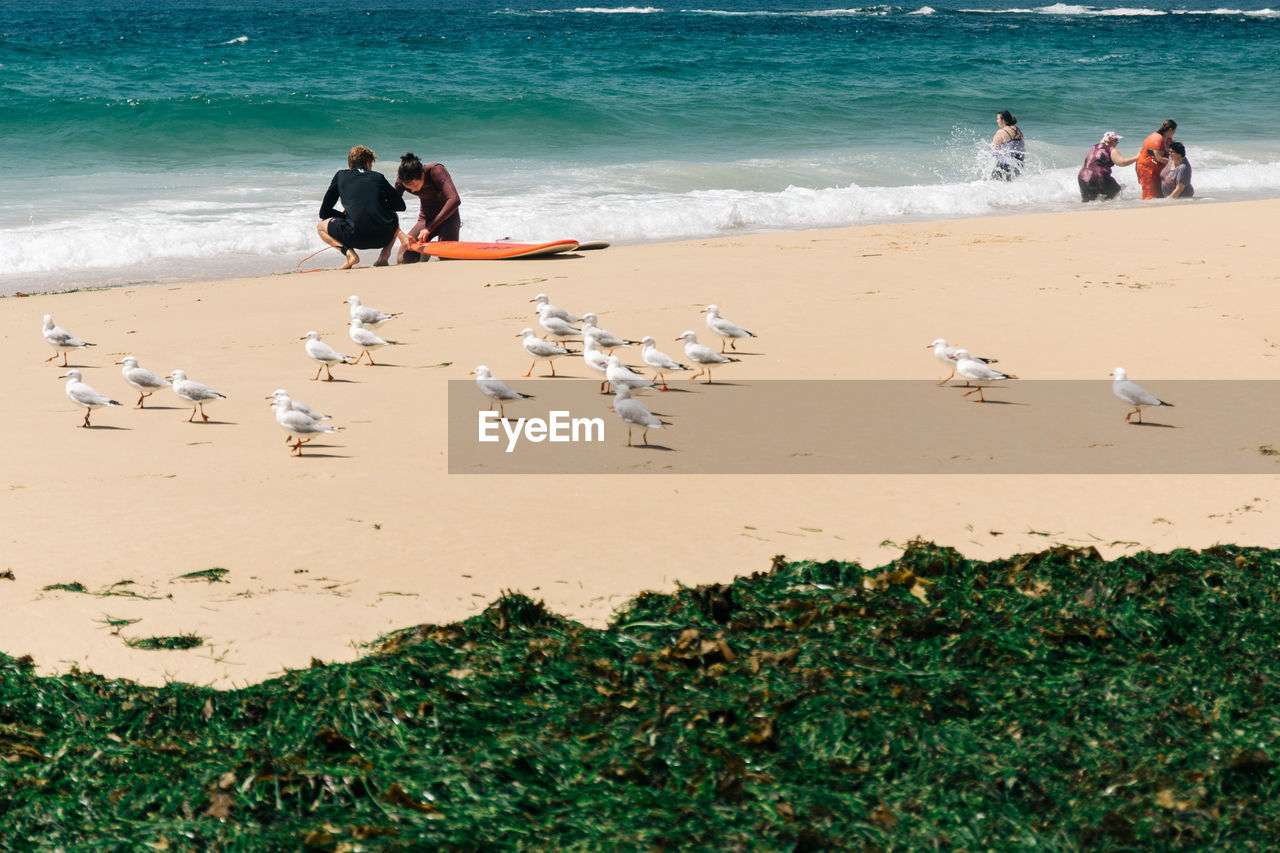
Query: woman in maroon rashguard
[(438, 217)]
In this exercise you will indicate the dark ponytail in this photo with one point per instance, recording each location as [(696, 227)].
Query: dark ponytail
[(1007, 118), (410, 168)]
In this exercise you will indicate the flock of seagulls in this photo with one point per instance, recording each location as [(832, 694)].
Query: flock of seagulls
[(560, 327), (979, 370), (300, 422)]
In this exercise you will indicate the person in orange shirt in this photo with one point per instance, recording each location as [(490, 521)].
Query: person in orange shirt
[(1152, 158)]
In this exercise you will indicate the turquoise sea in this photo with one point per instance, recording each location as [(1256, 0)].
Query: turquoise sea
[(159, 141)]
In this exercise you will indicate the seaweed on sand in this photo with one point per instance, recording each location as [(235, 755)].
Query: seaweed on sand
[(1051, 700)]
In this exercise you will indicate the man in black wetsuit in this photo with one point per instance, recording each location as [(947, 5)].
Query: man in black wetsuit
[(368, 219)]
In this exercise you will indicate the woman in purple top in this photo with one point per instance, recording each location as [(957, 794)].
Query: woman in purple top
[(1095, 175), (438, 217)]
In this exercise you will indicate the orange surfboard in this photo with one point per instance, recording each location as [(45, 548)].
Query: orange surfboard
[(464, 251)]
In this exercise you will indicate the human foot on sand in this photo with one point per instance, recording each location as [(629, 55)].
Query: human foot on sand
[(352, 260)]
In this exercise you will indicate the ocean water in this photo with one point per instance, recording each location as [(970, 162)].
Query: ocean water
[(160, 141)]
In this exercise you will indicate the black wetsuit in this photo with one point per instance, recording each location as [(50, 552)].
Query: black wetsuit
[(368, 219)]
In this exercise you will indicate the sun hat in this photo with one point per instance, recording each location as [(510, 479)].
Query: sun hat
[(1111, 136)]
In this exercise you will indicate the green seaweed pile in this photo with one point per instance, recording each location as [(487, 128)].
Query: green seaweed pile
[(1052, 701)]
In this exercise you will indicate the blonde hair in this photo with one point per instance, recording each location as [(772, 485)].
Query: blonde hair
[(360, 157)]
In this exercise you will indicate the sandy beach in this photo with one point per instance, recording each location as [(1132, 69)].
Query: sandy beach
[(368, 531)]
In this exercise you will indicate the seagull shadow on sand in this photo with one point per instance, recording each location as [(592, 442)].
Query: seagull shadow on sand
[(1153, 424), (662, 447), (106, 426)]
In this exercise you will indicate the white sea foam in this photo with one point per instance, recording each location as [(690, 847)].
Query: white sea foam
[(158, 231), (237, 40)]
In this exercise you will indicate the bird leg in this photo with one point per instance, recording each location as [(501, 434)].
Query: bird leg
[(370, 354), (981, 399), (948, 379), (317, 376), (360, 356), (662, 380), (553, 366), (193, 415), (52, 357), (86, 416), (535, 363), (645, 438), (202, 414), (696, 375), (723, 341), (708, 382), (328, 374), (628, 434), (141, 397)]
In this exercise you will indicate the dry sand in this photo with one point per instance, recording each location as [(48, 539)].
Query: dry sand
[(368, 532)]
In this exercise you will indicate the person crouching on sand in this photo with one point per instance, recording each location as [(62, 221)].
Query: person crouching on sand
[(1176, 177), (1095, 175), (1152, 158), (368, 219), (438, 217)]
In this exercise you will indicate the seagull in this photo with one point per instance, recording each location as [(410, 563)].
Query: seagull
[(298, 406), (541, 350), (194, 393), (496, 389), (280, 393), (658, 360), (61, 340), (557, 327), (947, 355), (633, 412), (371, 317), (702, 355), (82, 395), (545, 308), (141, 378), (623, 377), (977, 370), (604, 340), (296, 424), (595, 359), (366, 340), (1131, 392), (724, 328), (324, 354)]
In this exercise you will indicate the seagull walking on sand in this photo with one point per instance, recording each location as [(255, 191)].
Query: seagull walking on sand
[(658, 360), (194, 393), (634, 413), (281, 394), (702, 355), (299, 426), (620, 376), (141, 378), (946, 354), (496, 390), (82, 395), (557, 327), (595, 360), (61, 340), (541, 350), (323, 353), (545, 308), (727, 330), (366, 340), (978, 371), (1133, 394), (606, 341), (371, 317)]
